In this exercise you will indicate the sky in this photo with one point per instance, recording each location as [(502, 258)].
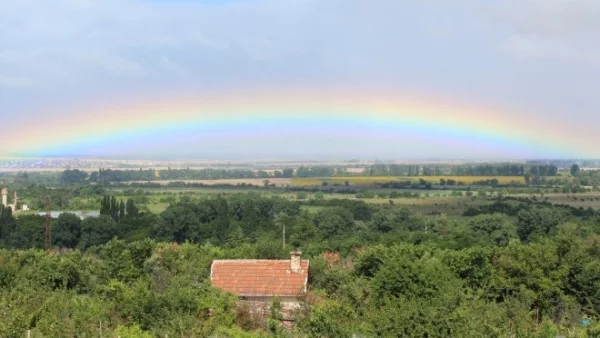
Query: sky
[(491, 79)]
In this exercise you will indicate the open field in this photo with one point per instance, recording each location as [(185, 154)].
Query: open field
[(360, 181), (450, 200), (423, 202), (374, 180), (588, 200)]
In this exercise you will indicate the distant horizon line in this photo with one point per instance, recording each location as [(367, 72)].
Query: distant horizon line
[(292, 159)]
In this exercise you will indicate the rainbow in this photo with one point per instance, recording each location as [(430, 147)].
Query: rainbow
[(296, 123)]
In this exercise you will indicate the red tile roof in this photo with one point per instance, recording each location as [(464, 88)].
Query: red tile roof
[(259, 277)]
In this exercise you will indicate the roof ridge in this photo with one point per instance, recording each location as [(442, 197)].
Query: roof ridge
[(259, 277)]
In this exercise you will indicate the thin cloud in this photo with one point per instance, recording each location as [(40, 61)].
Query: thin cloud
[(521, 56), (16, 82), (552, 30)]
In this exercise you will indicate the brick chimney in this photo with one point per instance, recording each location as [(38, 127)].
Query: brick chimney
[(295, 261)]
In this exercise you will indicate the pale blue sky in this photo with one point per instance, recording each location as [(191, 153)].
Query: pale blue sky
[(538, 56)]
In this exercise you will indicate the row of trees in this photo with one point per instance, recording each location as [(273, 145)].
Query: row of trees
[(382, 169), (117, 219), (246, 218), (110, 175), (500, 169), (118, 210), (115, 175), (75, 176)]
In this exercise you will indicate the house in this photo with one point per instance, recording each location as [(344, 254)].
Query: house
[(257, 281)]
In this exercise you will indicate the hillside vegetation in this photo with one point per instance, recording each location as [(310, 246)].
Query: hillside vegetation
[(510, 267)]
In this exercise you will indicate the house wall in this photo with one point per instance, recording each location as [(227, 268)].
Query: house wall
[(290, 306)]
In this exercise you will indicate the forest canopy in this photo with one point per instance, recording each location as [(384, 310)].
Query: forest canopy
[(524, 268)]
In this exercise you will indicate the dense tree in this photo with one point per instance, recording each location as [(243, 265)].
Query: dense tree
[(66, 230), (7, 224), (333, 222), (543, 170), (73, 177), (114, 208), (28, 233), (537, 222), (304, 231), (178, 223), (496, 229), (105, 205), (131, 211), (248, 215), (381, 271), (121, 210), (575, 170), (221, 222), (107, 176), (390, 219), (513, 266), (383, 222), (97, 230)]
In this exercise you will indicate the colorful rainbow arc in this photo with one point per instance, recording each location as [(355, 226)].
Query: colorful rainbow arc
[(246, 117)]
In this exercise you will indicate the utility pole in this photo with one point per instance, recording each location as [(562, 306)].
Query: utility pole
[(281, 219)]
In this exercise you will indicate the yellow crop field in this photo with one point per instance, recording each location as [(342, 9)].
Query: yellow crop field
[(374, 180)]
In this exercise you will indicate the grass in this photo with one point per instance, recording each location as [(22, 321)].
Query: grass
[(312, 209), (157, 207)]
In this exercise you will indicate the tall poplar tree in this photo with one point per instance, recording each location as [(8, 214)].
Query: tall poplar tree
[(114, 208), (121, 210)]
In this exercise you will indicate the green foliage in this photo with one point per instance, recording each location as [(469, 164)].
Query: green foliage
[(330, 319), (511, 268), (389, 220), (495, 230), (304, 231), (178, 224), (333, 222), (66, 231), (7, 225), (402, 276), (133, 331), (28, 233), (538, 222), (97, 230), (73, 177)]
